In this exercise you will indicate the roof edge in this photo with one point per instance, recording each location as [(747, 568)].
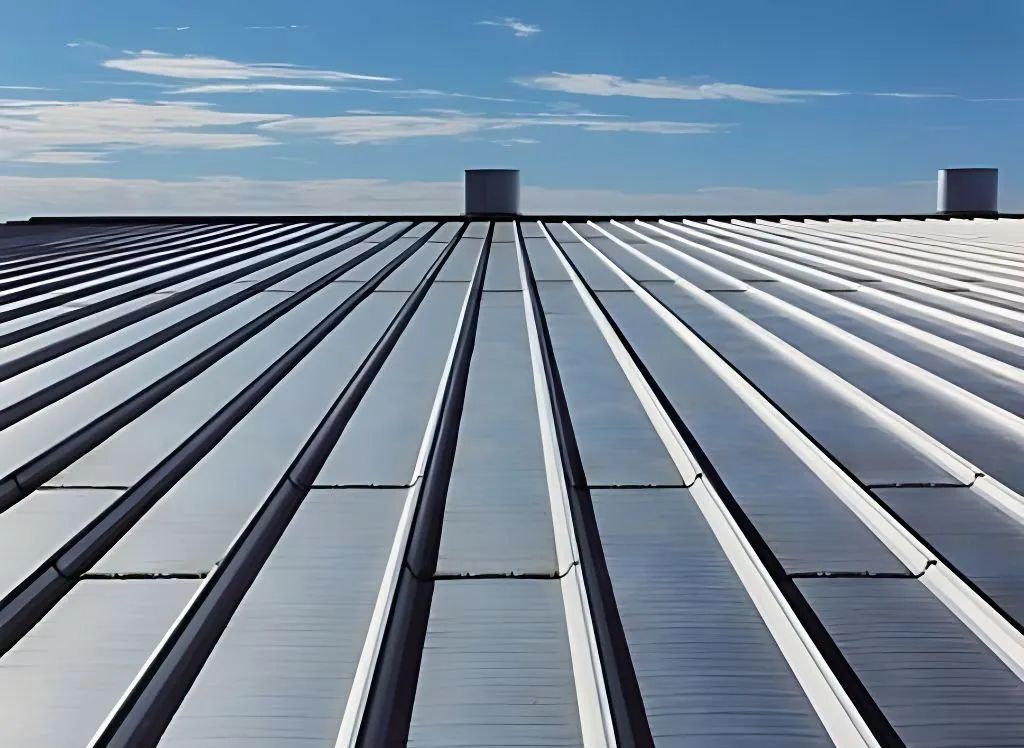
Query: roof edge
[(571, 217)]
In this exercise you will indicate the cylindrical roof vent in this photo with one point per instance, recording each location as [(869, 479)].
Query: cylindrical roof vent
[(968, 191), (492, 192)]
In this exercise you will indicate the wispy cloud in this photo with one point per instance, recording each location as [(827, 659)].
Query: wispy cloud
[(171, 28), (426, 93), (600, 84), (899, 95), (289, 27), (379, 128), (88, 44), (241, 88), (511, 142), (81, 132), (195, 67), (24, 88), (514, 25), (65, 158)]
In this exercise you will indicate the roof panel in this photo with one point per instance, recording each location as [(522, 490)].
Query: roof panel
[(382, 441), (497, 516), (808, 528), (705, 661), (478, 630), (282, 670), (193, 524), (448, 510), (59, 682), (935, 682)]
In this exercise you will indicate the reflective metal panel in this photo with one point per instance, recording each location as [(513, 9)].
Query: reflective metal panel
[(46, 427), (381, 442), (282, 670), (935, 682), (58, 683), (496, 668), (544, 262), (37, 526), (709, 670), (807, 527), (973, 536), (126, 456), (617, 443), (462, 263), (859, 442), (189, 529), (497, 517), (962, 429), (502, 268)]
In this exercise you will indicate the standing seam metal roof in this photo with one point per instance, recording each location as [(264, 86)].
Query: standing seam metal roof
[(454, 482)]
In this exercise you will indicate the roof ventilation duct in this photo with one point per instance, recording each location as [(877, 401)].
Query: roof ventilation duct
[(492, 192), (968, 191)]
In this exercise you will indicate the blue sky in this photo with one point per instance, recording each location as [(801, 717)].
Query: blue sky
[(327, 106)]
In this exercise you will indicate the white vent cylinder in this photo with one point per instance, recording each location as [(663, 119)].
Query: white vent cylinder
[(492, 191), (968, 191)]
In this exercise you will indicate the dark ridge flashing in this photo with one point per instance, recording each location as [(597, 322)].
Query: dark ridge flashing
[(523, 217)]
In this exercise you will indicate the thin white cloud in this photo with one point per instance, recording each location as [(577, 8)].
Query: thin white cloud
[(900, 95), (426, 93), (62, 131), (379, 128), (24, 88), (171, 28), (195, 67), (86, 43), (600, 84), (289, 27), (222, 88), (27, 196), (65, 158), (511, 142), (517, 27)]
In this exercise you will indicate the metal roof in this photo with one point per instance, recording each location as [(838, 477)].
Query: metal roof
[(367, 482)]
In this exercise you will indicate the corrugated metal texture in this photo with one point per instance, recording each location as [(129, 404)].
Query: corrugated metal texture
[(496, 668), (436, 482)]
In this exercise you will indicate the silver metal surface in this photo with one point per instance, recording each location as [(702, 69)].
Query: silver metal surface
[(496, 669), (807, 527), (617, 443), (192, 526), (129, 454), (971, 534), (58, 683), (497, 516), (843, 398), (933, 680), (281, 672), (36, 528), (707, 667), (381, 442)]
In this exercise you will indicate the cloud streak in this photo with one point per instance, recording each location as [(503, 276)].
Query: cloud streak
[(353, 129), (241, 88), (517, 27), (84, 132), (602, 84), (195, 67)]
